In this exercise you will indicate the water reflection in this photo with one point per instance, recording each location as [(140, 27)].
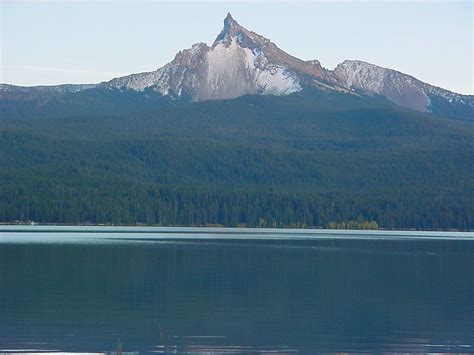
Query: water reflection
[(238, 296)]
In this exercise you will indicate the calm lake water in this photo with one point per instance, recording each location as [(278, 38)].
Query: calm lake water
[(195, 290)]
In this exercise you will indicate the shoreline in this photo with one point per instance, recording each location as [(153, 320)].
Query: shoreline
[(155, 232), (221, 227)]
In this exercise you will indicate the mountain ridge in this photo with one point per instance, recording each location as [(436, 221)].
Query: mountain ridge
[(242, 62)]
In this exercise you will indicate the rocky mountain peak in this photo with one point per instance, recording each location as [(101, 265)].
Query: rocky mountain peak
[(231, 29), (243, 62), (234, 32), (229, 19)]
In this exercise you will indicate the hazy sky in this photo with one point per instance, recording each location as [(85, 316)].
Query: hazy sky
[(52, 42)]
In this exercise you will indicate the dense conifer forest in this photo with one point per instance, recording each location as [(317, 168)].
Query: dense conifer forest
[(296, 161)]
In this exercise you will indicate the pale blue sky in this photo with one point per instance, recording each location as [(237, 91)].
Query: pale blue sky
[(52, 42)]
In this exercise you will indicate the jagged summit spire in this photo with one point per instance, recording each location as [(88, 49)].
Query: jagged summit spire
[(228, 18), (229, 27), (229, 23)]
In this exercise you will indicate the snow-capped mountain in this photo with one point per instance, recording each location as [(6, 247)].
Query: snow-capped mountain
[(241, 62), (402, 89)]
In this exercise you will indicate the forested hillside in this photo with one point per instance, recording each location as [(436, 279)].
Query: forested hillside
[(293, 161)]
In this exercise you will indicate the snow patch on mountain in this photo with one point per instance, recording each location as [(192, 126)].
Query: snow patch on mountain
[(397, 87), (360, 75), (141, 81)]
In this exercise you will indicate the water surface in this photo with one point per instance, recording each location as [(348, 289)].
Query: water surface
[(82, 289)]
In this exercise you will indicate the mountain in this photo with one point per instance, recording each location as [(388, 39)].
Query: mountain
[(239, 62), (240, 133), (403, 90)]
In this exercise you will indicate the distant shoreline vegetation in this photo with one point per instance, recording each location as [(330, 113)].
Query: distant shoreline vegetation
[(343, 225), (369, 225), (138, 206)]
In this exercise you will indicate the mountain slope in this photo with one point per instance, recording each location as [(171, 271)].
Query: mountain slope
[(404, 90), (294, 160)]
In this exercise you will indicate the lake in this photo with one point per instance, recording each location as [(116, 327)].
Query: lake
[(205, 290)]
